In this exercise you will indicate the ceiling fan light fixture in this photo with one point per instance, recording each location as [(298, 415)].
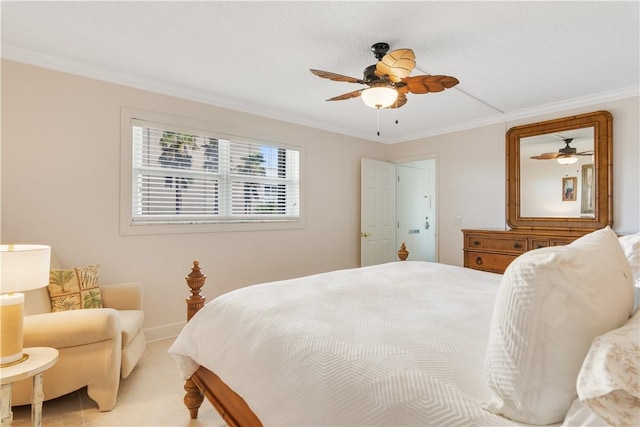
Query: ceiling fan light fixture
[(379, 96), (567, 160)]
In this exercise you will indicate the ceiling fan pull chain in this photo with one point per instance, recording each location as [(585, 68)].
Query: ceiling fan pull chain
[(396, 110), (378, 120)]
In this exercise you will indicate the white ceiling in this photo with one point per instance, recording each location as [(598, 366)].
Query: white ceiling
[(513, 59)]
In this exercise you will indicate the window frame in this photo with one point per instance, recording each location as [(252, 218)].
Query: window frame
[(190, 126)]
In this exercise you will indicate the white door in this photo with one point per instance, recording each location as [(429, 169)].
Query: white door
[(378, 212), (416, 209)]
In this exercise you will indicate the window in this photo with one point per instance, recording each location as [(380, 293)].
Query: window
[(182, 176)]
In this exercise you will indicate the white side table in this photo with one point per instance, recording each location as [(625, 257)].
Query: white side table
[(40, 359)]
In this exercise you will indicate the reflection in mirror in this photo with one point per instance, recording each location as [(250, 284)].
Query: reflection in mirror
[(546, 161), (544, 194)]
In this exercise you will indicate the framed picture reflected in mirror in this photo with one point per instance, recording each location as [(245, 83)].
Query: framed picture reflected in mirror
[(569, 189)]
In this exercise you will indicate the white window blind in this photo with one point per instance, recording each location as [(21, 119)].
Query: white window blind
[(181, 176)]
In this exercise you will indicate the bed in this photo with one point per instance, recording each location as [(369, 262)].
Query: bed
[(403, 343)]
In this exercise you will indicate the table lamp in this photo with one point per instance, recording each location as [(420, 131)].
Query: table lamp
[(22, 268)]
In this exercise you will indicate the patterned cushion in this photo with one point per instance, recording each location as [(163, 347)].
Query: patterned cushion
[(551, 304), (609, 381), (75, 288)]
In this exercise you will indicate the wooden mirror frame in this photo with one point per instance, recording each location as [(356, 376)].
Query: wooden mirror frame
[(602, 121)]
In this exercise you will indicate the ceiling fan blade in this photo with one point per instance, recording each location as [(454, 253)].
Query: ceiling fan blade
[(546, 156), (428, 83), (402, 99), (396, 64), (336, 77), (354, 94), (585, 153)]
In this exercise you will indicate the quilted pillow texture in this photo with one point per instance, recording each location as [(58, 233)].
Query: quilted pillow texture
[(75, 288), (551, 304), (609, 381)]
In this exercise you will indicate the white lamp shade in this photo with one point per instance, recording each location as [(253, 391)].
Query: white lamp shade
[(24, 267), (567, 160), (379, 96)]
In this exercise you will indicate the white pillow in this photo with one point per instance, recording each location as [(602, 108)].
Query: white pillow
[(631, 247), (552, 302), (609, 381)]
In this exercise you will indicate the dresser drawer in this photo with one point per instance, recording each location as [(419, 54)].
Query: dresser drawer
[(539, 243), (494, 263), (543, 243), (494, 243), (559, 242)]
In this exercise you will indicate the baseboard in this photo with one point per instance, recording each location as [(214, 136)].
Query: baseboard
[(163, 332)]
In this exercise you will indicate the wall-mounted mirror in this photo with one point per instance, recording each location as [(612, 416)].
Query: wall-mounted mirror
[(559, 173)]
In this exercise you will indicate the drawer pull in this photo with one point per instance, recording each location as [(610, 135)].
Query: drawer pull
[(476, 243), (516, 245), (479, 260)]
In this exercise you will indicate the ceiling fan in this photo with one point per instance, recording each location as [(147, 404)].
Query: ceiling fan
[(388, 80), (566, 155)]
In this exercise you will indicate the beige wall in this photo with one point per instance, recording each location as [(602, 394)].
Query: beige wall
[(60, 175), (471, 173), (61, 180)]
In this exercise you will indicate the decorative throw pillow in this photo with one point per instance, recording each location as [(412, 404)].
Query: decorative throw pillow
[(551, 304), (609, 381), (631, 247), (75, 288)]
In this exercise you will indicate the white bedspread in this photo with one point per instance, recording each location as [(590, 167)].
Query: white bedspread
[(394, 344)]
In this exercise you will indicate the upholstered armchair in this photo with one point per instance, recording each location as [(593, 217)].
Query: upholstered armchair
[(97, 346)]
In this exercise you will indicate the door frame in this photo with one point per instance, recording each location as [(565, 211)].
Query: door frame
[(426, 156)]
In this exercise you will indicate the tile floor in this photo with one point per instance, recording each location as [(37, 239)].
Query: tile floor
[(151, 396)]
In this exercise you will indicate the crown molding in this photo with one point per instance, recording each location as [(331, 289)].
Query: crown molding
[(39, 59), (556, 107)]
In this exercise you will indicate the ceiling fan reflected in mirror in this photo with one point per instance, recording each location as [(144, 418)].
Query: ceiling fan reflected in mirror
[(388, 81), (565, 156)]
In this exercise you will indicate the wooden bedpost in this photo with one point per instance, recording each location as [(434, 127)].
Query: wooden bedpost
[(193, 399), (403, 253), (195, 280)]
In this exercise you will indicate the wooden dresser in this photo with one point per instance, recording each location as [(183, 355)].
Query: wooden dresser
[(493, 250)]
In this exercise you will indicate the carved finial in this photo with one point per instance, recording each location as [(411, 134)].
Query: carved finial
[(403, 253), (195, 281), (195, 270)]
